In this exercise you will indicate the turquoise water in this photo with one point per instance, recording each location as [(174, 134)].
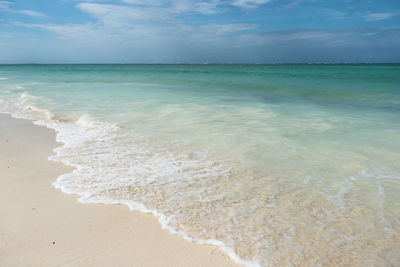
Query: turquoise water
[(277, 164)]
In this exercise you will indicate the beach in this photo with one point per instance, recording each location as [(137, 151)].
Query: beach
[(200, 133), (41, 226), (273, 164)]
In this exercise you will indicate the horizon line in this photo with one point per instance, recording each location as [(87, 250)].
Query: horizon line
[(213, 63)]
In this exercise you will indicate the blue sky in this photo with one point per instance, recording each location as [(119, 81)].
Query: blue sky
[(191, 31)]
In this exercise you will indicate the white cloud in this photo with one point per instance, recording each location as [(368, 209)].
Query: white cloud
[(180, 6), (139, 10), (155, 31), (144, 2), (71, 31), (227, 28), (208, 7), (134, 2), (145, 26), (5, 6), (179, 42), (27, 12), (249, 3), (141, 24), (378, 16), (117, 14)]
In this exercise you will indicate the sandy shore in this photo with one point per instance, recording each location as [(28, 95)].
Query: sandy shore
[(41, 226)]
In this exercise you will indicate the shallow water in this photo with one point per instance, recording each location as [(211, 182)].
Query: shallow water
[(278, 164)]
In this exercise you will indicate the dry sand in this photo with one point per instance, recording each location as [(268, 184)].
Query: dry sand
[(41, 226)]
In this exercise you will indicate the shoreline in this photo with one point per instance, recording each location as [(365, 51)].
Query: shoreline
[(42, 226)]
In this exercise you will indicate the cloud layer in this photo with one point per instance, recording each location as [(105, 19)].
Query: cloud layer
[(170, 31)]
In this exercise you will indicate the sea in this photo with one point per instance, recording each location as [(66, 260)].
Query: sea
[(279, 165)]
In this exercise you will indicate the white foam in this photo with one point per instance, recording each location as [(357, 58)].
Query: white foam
[(2, 78), (117, 167), (88, 145), (88, 130)]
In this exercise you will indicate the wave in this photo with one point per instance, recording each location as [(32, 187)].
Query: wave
[(207, 200), (109, 164)]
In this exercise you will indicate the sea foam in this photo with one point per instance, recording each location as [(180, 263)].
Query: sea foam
[(307, 214), (110, 164)]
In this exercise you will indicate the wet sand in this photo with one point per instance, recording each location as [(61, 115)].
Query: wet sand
[(41, 226)]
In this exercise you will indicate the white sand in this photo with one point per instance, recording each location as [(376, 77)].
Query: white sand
[(41, 226)]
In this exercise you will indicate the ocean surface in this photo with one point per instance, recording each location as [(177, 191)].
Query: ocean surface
[(280, 165)]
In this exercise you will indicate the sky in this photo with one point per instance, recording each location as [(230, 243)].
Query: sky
[(199, 31)]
